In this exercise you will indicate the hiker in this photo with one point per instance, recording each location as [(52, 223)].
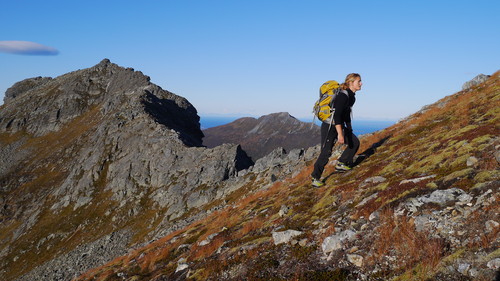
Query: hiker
[(340, 131)]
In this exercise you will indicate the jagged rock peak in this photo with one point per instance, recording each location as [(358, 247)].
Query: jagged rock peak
[(42, 105), (105, 61)]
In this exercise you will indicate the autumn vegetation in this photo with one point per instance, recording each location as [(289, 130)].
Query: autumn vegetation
[(435, 142)]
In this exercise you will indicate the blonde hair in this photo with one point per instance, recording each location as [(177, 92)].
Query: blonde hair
[(349, 79)]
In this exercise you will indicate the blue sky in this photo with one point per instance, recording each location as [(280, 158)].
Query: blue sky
[(251, 58)]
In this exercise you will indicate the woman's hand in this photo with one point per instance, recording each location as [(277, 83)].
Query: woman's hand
[(340, 134)]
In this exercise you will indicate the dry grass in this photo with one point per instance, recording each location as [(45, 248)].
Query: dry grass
[(254, 224), (397, 238), (205, 251), (8, 138), (303, 176)]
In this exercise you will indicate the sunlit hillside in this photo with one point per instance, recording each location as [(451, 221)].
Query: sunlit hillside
[(422, 204)]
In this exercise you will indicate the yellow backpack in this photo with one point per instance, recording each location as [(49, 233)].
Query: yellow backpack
[(323, 108)]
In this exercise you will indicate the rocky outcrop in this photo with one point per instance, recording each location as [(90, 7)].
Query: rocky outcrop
[(475, 81), (258, 137), (42, 105), (284, 236), (24, 86)]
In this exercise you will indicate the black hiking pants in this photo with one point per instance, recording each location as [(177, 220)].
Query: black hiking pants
[(328, 140)]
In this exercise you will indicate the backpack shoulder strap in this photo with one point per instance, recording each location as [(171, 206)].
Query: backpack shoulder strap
[(335, 93), (347, 94)]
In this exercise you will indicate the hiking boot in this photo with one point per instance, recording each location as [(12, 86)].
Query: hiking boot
[(317, 183), (342, 167)]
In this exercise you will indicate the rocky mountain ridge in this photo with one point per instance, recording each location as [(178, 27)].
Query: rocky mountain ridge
[(100, 155), (258, 137)]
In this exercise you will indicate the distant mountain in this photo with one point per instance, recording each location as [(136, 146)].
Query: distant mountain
[(258, 137)]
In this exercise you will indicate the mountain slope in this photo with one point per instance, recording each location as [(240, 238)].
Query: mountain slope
[(258, 137), (99, 160), (422, 204)]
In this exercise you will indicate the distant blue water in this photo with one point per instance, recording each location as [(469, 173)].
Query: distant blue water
[(209, 122), (360, 127)]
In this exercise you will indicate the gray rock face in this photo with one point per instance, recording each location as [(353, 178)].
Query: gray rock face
[(43, 105), (475, 81), (23, 86)]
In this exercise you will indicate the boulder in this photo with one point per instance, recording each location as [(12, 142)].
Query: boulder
[(337, 241), (285, 236), (357, 260)]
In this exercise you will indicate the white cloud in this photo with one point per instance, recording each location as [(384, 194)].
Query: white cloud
[(27, 48)]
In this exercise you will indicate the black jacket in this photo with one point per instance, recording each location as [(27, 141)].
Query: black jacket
[(343, 104)]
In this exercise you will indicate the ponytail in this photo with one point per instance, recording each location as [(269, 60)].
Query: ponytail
[(349, 79)]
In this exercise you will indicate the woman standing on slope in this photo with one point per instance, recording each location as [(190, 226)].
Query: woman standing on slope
[(342, 132)]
